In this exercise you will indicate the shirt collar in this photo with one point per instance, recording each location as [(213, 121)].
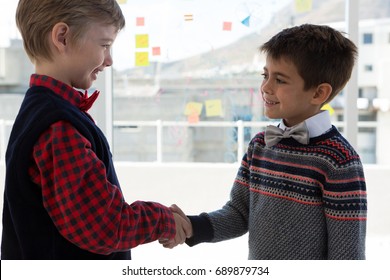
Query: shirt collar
[(75, 97), (317, 124)]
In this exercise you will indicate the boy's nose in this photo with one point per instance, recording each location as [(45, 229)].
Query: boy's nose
[(265, 87), (108, 60)]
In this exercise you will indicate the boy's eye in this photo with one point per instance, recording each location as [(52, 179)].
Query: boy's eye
[(279, 81), (265, 76)]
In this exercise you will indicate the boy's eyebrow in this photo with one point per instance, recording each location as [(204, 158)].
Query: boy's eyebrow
[(105, 39), (277, 73)]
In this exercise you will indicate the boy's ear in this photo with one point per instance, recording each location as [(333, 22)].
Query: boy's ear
[(322, 93), (60, 36)]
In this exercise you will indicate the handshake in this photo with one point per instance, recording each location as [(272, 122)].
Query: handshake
[(183, 228)]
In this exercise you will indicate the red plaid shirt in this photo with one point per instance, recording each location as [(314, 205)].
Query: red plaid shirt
[(64, 165)]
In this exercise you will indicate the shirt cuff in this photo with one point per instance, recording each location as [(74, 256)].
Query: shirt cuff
[(202, 230), (169, 225)]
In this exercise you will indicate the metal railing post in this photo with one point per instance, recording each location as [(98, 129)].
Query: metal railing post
[(351, 90), (159, 131), (2, 140), (240, 140)]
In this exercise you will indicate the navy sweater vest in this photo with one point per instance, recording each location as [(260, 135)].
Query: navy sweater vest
[(28, 232)]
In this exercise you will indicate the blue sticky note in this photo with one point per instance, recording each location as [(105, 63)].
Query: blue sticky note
[(246, 21)]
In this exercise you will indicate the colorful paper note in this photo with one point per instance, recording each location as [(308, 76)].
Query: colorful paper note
[(156, 51), (140, 21), (329, 108), (303, 6), (188, 17), (194, 118), (121, 1), (193, 108), (213, 108), (246, 21), (141, 59), (141, 41), (227, 26)]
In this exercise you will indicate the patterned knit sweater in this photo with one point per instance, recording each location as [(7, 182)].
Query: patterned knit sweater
[(296, 201)]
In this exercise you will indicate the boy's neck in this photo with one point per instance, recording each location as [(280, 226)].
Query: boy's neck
[(51, 70), (317, 124)]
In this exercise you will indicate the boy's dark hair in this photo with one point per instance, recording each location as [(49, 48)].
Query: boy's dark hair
[(320, 53), (36, 18)]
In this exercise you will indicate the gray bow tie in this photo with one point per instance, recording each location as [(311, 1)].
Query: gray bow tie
[(274, 134)]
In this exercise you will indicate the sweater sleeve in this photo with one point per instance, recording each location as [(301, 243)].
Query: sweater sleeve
[(231, 220), (345, 202)]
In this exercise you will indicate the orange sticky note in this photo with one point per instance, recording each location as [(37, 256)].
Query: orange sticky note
[(213, 108), (193, 118), (227, 26), (156, 51), (141, 59), (140, 21), (141, 41), (188, 17)]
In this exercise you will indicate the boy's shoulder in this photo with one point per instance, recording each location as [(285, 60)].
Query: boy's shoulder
[(41, 96), (258, 139), (333, 144), (42, 102)]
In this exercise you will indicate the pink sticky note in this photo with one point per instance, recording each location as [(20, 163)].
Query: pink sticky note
[(227, 26), (156, 51), (140, 21)]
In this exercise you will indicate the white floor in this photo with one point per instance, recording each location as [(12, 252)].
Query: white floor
[(165, 185), (377, 248)]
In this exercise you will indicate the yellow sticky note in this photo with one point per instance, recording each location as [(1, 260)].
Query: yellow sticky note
[(303, 6), (141, 41), (213, 108), (329, 108), (141, 59), (193, 108), (121, 1)]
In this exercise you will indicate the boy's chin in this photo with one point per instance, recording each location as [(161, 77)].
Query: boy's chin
[(272, 117), (85, 86)]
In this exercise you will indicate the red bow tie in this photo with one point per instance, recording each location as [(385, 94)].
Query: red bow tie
[(86, 102)]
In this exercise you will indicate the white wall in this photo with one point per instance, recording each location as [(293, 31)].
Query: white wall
[(205, 187)]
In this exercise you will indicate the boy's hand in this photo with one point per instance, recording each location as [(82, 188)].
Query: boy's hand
[(183, 228)]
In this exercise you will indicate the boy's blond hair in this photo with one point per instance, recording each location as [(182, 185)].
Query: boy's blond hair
[(36, 18)]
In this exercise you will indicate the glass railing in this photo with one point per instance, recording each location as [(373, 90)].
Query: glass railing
[(181, 141)]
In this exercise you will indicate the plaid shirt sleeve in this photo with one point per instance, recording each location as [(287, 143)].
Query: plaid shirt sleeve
[(86, 208)]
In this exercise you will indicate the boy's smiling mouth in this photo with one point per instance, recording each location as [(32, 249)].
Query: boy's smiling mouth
[(268, 102)]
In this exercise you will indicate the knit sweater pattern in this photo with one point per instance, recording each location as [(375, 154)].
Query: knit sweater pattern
[(296, 201)]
